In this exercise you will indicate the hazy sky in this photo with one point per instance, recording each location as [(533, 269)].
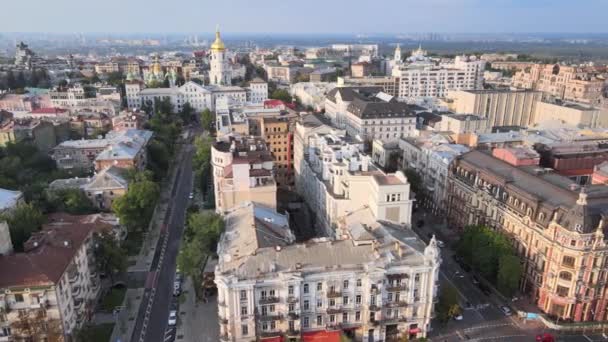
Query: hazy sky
[(304, 16)]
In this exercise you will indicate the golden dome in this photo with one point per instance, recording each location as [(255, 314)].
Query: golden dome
[(218, 44), (156, 67)]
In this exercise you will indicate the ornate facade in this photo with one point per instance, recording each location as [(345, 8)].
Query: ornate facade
[(219, 74), (556, 226)]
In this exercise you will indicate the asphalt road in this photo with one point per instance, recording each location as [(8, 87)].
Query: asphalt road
[(153, 315)]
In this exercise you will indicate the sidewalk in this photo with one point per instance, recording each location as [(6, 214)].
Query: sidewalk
[(198, 321), (125, 320)]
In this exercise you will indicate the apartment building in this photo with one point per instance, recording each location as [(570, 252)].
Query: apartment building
[(500, 107), (431, 157), (376, 283), (278, 134), (573, 160), (462, 124), (51, 288), (570, 113), (564, 82), (423, 77), (369, 113), (334, 176), (243, 170), (125, 149), (556, 226), (312, 94)]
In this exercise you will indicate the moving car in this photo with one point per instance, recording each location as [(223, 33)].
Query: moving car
[(505, 310), (172, 318), (459, 317)]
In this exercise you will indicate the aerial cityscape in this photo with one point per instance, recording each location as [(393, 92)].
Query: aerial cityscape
[(326, 171)]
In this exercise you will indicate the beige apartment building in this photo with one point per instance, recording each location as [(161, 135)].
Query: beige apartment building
[(563, 82), (377, 282), (571, 113), (243, 171), (500, 107), (278, 135), (335, 177), (51, 288), (556, 227)]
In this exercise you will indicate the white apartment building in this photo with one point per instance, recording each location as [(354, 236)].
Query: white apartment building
[(73, 96), (53, 280), (312, 93), (376, 283), (431, 157), (257, 91), (422, 77), (335, 177), (369, 113)]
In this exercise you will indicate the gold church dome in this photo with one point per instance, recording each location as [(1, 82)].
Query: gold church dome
[(218, 44)]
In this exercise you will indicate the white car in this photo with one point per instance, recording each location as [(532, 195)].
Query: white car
[(458, 318), (191, 196), (505, 310), (172, 318), (440, 244)]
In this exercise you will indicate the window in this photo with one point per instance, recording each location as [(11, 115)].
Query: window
[(417, 277), (292, 307), (344, 317), (264, 310), (332, 302), (319, 286), (244, 330), (272, 293), (290, 290), (271, 308), (372, 316), (332, 318), (390, 296), (306, 322), (263, 294), (568, 261), (319, 303), (562, 291), (565, 276), (358, 316), (19, 298), (305, 288), (345, 284), (273, 325), (345, 300), (264, 326), (358, 299), (306, 305), (243, 310), (319, 320), (572, 243), (358, 282)]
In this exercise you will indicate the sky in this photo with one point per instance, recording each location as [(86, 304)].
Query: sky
[(305, 16)]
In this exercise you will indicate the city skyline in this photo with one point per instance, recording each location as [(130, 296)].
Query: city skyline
[(387, 16)]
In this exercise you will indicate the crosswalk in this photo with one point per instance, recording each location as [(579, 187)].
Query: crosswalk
[(169, 335)]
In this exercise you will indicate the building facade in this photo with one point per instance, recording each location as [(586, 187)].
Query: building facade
[(369, 285), (556, 227), (219, 73), (243, 170)]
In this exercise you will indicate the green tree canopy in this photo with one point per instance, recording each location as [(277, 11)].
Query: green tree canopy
[(110, 258), (448, 306), (202, 233), (207, 119), (72, 201), (135, 208), (509, 274), (281, 94), (23, 220)]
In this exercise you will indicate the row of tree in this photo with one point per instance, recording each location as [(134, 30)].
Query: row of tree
[(492, 255), (37, 78), (201, 235)]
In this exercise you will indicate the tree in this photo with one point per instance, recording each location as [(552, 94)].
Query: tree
[(110, 258), (414, 179), (11, 82), (135, 208), (509, 274), (20, 84), (115, 78), (72, 201), (187, 113), (23, 220), (207, 119), (447, 307), (33, 325), (158, 159), (281, 94)]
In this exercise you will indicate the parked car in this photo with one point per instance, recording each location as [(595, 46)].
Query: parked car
[(172, 318), (505, 310), (440, 244), (458, 318), (191, 196)]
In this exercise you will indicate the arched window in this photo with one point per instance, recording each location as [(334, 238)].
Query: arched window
[(565, 275)]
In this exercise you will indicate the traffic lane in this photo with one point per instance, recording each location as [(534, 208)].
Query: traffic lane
[(164, 290)]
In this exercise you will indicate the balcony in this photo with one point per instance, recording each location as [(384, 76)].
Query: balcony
[(395, 304), (334, 294), (269, 300), (78, 304), (293, 315), (223, 321), (275, 333), (395, 288), (334, 310), (292, 299), (76, 291), (268, 318), (225, 337), (374, 307), (73, 275)]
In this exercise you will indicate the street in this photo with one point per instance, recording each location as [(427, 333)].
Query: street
[(152, 319)]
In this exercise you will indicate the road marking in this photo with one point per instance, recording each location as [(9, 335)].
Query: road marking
[(498, 337), (459, 334), (488, 326), (587, 337)]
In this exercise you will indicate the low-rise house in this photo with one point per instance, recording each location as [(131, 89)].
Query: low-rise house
[(107, 185)]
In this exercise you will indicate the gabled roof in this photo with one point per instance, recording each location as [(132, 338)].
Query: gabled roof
[(109, 178)]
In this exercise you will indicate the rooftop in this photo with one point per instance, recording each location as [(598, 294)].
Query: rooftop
[(9, 198)]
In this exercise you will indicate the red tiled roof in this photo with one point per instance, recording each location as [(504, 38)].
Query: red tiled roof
[(45, 263), (48, 111), (278, 103)]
